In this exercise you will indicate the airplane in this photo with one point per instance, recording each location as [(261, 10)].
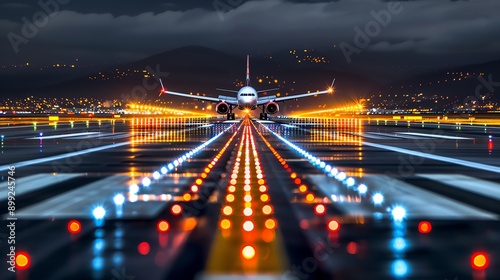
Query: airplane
[(246, 98)]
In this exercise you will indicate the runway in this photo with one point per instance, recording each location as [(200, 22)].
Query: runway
[(306, 198)]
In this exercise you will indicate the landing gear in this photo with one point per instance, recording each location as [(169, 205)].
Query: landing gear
[(263, 116), (230, 116)]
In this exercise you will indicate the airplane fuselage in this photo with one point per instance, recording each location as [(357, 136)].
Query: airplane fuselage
[(247, 98)]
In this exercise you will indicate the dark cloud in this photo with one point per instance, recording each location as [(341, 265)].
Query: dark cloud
[(438, 31)]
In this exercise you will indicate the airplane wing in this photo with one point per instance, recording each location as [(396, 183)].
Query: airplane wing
[(228, 99), (266, 99)]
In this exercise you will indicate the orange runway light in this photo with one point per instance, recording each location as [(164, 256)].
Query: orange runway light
[(163, 226), (320, 209), (230, 198), (74, 226), (302, 188), (270, 223), (479, 261), (310, 197), (424, 227), (199, 181), (176, 209), (22, 260), (264, 198), (248, 252), (227, 210), (231, 189), (225, 224), (333, 225), (186, 197), (267, 209)]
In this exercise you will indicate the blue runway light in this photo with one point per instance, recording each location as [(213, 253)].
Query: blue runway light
[(398, 244), (41, 134), (398, 213), (99, 212), (399, 268), (119, 199), (378, 198), (146, 182)]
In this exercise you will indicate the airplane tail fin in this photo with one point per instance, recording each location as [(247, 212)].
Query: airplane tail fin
[(248, 71)]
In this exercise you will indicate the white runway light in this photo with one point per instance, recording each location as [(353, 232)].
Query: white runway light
[(164, 170), (350, 182), (362, 189), (146, 181), (134, 189), (119, 199), (398, 213), (378, 198), (156, 175), (99, 212)]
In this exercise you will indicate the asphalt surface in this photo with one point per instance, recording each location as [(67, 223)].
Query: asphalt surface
[(172, 198)]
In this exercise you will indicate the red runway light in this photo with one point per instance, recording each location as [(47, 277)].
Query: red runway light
[(424, 227), (22, 260), (74, 226), (479, 261), (143, 248)]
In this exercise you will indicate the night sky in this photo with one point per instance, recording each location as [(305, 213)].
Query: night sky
[(433, 32)]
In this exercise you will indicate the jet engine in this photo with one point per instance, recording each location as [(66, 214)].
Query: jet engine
[(272, 108), (222, 108)]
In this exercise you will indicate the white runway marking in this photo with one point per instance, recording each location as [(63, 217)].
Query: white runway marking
[(466, 163), (35, 182), (467, 183), (67, 155), (420, 203), (436, 136)]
